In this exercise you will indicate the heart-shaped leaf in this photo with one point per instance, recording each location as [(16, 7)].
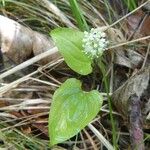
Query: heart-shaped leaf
[(71, 110), (69, 43)]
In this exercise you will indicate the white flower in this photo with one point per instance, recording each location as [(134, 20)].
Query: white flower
[(94, 43)]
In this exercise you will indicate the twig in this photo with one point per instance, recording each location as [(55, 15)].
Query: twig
[(91, 140), (13, 84), (29, 62), (146, 56), (101, 137), (128, 14), (129, 42), (44, 82)]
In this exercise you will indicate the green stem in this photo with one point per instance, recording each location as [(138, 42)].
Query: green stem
[(102, 68), (78, 14), (131, 4)]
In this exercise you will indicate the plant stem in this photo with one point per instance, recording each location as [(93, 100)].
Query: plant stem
[(82, 24), (102, 68), (131, 4)]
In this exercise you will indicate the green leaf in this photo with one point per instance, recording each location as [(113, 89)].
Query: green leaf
[(71, 110), (69, 43)]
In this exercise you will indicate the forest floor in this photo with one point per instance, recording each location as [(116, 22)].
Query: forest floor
[(29, 76)]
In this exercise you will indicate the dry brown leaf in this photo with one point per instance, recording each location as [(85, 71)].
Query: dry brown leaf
[(138, 23), (26, 130), (128, 58), (124, 57), (19, 42), (137, 84)]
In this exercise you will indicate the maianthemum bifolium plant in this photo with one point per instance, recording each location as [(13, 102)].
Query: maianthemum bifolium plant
[(72, 108)]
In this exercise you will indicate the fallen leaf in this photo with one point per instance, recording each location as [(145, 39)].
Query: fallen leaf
[(137, 84), (19, 42), (139, 24)]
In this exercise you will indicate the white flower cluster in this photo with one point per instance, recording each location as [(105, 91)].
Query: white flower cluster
[(94, 43)]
